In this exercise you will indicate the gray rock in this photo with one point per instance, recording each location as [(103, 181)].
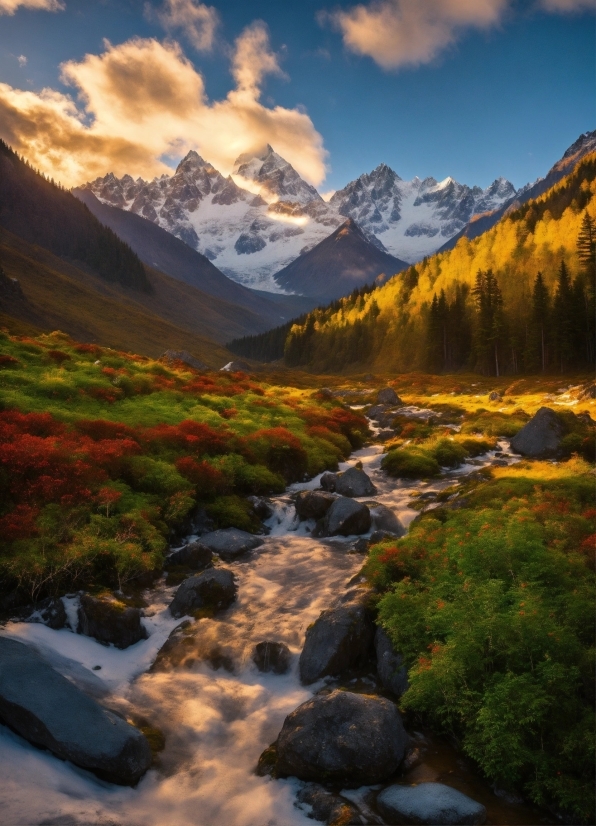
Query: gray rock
[(328, 481), (376, 411), (262, 507), (313, 504), (429, 803), (50, 612), (381, 536), (346, 517), (339, 640), (230, 543), (195, 556), (392, 673), (354, 482), (272, 656), (185, 357), (236, 367), (342, 737), (110, 621), (541, 436), (495, 396), (385, 520), (388, 396), (49, 711), (328, 807), (214, 589), (588, 392)]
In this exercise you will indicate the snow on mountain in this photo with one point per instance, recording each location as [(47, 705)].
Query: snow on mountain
[(264, 215)]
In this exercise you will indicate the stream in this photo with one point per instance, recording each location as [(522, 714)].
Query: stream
[(216, 710)]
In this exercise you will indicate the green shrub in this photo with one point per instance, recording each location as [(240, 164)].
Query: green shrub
[(233, 512), (478, 447), (449, 453), (410, 463)]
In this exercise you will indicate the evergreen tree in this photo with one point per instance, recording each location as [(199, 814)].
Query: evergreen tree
[(563, 318), (539, 324), (491, 326), (586, 244)]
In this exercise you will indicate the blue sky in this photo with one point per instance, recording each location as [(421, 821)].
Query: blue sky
[(505, 99)]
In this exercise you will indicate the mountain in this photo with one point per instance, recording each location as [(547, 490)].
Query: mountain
[(263, 216), (346, 260), (583, 146)]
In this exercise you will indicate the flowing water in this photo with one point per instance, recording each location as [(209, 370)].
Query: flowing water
[(216, 710)]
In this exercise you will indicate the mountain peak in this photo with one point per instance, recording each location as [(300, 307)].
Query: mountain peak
[(192, 160)]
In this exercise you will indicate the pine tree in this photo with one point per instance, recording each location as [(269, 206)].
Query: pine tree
[(563, 318), (586, 244), (540, 316)]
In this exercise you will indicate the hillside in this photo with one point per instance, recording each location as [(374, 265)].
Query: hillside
[(344, 261), (480, 306)]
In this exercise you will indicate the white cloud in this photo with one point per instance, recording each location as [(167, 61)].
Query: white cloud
[(143, 99), (196, 21), (11, 6), (568, 5), (410, 32), (22, 60)]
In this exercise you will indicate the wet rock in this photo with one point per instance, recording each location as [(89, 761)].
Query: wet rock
[(495, 396), (342, 737), (327, 807), (313, 504), (354, 482), (328, 482), (272, 656), (392, 673), (541, 436), (346, 517), (195, 556), (110, 621), (50, 612), (588, 392), (429, 803), (385, 520), (382, 536), (213, 589), (376, 411), (49, 711), (340, 640), (261, 507), (230, 543), (388, 396)]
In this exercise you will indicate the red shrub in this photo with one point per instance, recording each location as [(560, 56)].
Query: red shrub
[(9, 361), (208, 481), (188, 435), (281, 451), (19, 524), (58, 356), (12, 422), (91, 349), (98, 429)]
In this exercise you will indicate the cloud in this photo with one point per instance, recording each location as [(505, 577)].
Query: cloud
[(22, 60), (11, 6), (410, 32), (143, 100), (568, 5), (197, 21)]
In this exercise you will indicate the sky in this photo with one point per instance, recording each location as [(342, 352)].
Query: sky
[(474, 89)]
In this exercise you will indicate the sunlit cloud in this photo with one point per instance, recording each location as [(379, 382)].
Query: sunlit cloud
[(11, 6), (196, 21), (404, 33), (143, 100), (22, 60)]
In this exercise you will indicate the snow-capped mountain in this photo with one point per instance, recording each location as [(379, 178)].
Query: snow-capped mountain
[(264, 215)]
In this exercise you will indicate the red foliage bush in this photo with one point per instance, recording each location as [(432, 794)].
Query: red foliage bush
[(90, 349), (208, 481), (58, 356), (98, 429), (9, 361), (19, 523), (13, 423), (280, 450), (188, 435)]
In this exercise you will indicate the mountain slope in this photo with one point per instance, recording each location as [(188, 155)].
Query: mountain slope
[(346, 260), (583, 146)]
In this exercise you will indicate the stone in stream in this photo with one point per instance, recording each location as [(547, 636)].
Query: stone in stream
[(313, 504), (49, 711), (354, 482), (110, 621), (230, 543), (541, 437), (340, 640), (272, 656), (214, 589), (429, 803), (50, 612), (328, 481), (328, 807), (388, 396), (195, 556), (392, 673), (346, 517), (384, 519), (342, 737)]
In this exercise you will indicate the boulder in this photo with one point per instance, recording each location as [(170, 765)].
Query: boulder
[(385, 520), (388, 396), (346, 517), (50, 612), (313, 504), (328, 807), (110, 621), (195, 556), (235, 367), (185, 357), (392, 673), (213, 589), (230, 543), (495, 396), (272, 656), (589, 392), (541, 437), (382, 536), (261, 507), (328, 481), (49, 711), (340, 640), (354, 482), (429, 803), (342, 737)]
